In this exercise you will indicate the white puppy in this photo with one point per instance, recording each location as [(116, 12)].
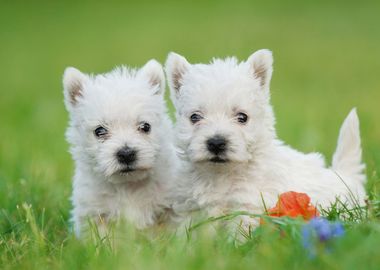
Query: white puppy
[(230, 153), (121, 143)]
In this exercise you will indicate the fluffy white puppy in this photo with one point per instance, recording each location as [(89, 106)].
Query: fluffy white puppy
[(231, 157), (121, 143)]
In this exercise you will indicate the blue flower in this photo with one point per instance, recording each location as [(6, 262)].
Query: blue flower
[(337, 230), (320, 230)]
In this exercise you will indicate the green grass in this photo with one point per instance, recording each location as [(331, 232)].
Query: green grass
[(327, 60)]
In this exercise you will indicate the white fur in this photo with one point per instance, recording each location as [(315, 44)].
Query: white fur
[(347, 159), (119, 100), (259, 165)]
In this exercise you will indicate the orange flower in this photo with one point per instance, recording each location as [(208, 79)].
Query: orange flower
[(294, 204)]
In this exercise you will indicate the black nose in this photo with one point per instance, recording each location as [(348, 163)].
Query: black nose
[(126, 155), (216, 144)]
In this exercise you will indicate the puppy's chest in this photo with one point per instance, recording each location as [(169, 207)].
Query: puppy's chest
[(136, 207), (224, 190)]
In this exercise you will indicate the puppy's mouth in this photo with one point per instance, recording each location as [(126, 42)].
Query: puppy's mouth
[(132, 169), (218, 159), (127, 170)]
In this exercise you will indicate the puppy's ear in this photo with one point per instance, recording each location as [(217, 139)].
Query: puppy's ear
[(260, 63), (176, 66), (153, 72), (73, 81)]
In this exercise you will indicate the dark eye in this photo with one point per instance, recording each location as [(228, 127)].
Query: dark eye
[(144, 127), (195, 117), (242, 118), (100, 132)]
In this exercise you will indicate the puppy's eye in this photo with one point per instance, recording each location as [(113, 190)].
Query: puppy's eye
[(242, 118), (100, 132), (144, 127), (195, 117)]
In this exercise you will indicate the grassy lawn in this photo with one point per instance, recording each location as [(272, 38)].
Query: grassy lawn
[(327, 60)]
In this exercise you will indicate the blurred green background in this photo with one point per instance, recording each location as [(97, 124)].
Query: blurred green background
[(327, 60)]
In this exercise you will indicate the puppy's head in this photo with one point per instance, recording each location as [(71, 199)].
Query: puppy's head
[(115, 119), (223, 109)]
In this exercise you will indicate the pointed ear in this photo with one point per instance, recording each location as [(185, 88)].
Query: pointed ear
[(152, 72), (260, 63), (73, 81), (176, 66)]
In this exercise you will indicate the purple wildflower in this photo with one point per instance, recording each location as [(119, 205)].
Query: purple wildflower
[(320, 230)]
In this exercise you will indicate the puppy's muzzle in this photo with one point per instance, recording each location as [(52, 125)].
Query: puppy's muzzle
[(217, 145), (126, 155)]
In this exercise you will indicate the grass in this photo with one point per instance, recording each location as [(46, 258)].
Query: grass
[(326, 62)]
